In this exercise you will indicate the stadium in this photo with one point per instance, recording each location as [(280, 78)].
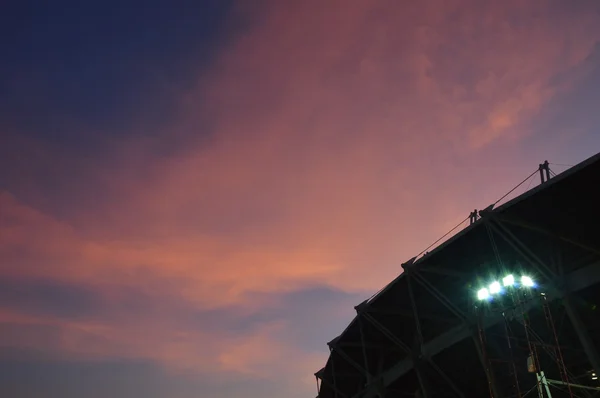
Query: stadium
[(504, 308)]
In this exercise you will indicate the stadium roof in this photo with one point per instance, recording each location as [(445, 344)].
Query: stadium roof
[(419, 334)]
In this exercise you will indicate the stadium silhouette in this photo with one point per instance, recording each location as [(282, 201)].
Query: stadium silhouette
[(443, 328)]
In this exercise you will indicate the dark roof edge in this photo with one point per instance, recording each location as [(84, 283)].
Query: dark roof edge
[(554, 180), (559, 177)]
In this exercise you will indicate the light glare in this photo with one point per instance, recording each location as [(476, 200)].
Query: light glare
[(508, 280), (483, 294), (495, 287), (527, 281)]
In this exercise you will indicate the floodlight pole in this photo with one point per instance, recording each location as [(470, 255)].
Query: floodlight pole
[(512, 359), (547, 272), (479, 341)]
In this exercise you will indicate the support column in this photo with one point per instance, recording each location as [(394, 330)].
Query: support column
[(544, 171)]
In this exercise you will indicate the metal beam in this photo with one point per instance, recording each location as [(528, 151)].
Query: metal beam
[(335, 376), (479, 342), (575, 281), (371, 346), (417, 355), (442, 271), (520, 248), (334, 388), (364, 349), (345, 374), (446, 378), (391, 336), (443, 299), (409, 314), (562, 383), (543, 231), (351, 361), (582, 333), (413, 305)]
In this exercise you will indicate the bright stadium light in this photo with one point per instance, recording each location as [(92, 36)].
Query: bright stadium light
[(483, 294), (527, 281), (495, 287), (508, 280)]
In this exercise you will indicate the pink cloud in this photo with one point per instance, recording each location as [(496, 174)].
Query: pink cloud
[(344, 136)]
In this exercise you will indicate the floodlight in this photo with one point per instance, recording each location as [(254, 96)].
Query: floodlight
[(495, 287), (483, 294), (527, 281), (508, 280)]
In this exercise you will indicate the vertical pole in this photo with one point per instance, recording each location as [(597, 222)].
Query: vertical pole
[(547, 168), (512, 358), (533, 354), (482, 353), (539, 385), (544, 167), (542, 379)]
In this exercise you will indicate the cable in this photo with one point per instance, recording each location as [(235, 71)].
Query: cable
[(521, 183), (495, 203), (494, 246), (529, 185), (424, 250), (443, 236), (559, 164)]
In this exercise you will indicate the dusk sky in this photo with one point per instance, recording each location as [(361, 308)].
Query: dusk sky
[(195, 194)]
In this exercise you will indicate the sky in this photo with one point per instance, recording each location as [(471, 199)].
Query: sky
[(195, 194)]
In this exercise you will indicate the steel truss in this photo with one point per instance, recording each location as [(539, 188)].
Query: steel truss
[(372, 370)]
